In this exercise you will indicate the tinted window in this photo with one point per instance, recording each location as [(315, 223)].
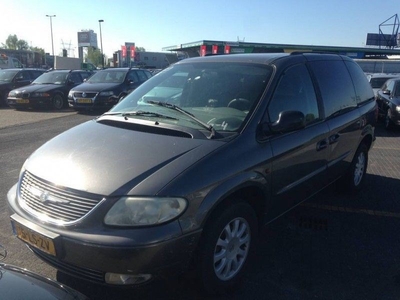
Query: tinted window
[(23, 75), (85, 75), (361, 84), (142, 76), (75, 78), (148, 74), (35, 74), (132, 76), (335, 85), (295, 91)]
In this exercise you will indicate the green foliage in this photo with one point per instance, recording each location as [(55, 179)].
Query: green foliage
[(13, 43), (94, 56), (140, 49)]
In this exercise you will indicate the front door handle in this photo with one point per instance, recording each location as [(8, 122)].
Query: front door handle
[(322, 144)]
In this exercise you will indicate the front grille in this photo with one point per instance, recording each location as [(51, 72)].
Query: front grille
[(84, 95), (87, 274), (57, 204)]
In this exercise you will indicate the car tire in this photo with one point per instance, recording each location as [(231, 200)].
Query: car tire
[(388, 121), (355, 176), (227, 240), (58, 102)]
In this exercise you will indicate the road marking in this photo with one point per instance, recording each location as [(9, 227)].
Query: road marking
[(370, 212)]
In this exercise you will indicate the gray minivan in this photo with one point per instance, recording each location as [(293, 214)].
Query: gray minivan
[(184, 171)]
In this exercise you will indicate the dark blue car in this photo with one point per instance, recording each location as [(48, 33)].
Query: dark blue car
[(105, 88)]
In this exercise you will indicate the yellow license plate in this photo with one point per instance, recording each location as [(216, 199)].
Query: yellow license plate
[(84, 100), (34, 239), (22, 100)]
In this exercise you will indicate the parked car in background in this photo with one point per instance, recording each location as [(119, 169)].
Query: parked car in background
[(187, 168), (17, 283), (14, 78), (378, 79), (105, 88), (48, 90), (388, 100)]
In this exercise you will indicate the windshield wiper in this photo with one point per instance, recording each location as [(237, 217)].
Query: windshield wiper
[(140, 113), (147, 114), (186, 113)]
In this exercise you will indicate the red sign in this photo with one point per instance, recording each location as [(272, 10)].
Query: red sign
[(203, 50), (132, 51), (227, 49), (123, 49), (214, 49)]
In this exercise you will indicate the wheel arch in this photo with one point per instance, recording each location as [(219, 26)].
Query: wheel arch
[(252, 191)]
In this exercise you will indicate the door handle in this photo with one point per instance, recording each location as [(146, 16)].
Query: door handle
[(322, 144)]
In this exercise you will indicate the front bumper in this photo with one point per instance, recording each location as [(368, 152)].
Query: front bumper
[(97, 103), (31, 102), (157, 251)]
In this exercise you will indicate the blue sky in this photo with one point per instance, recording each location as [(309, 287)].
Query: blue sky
[(154, 24)]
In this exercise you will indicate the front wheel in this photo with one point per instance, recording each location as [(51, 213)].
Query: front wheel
[(227, 240), (58, 102)]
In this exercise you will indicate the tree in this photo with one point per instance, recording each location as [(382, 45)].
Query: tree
[(13, 43), (94, 56), (140, 49)]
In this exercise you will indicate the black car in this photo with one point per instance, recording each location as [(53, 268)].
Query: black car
[(18, 283), (48, 90), (388, 99), (14, 78), (187, 168), (105, 88)]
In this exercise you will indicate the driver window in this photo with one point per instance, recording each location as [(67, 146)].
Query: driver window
[(294, 92)]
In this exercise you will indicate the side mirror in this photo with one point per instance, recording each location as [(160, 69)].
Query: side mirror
[(288, 121), (386, 92)]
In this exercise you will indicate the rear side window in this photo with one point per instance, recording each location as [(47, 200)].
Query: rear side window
[(363, 87), (335, 85)]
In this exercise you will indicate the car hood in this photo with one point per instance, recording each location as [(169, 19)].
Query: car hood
[(96, 87), (18, 283), (39, 88), (109, 160)]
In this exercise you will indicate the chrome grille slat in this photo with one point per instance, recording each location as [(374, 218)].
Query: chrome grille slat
[(58, 204)]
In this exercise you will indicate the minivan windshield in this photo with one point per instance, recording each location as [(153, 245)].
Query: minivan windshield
[(221, 95)]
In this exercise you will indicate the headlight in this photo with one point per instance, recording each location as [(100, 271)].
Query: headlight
[(40, 95), (70, 94), (105, 94), (398, 108), (142, 211)]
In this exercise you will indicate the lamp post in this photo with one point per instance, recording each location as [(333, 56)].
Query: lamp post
[(101, 44), (51, 30)]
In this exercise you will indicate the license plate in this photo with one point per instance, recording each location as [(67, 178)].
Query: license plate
[(34, 239), (22, 100), (84, 100)]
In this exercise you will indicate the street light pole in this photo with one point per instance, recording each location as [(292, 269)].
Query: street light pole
[(101, 44), (51, 30)]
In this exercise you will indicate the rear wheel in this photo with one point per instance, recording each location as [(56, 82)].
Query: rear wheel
[(58, 102), (358, 168), (228, 238)]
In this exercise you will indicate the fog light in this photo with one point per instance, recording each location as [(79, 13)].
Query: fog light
[(126, 279)]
